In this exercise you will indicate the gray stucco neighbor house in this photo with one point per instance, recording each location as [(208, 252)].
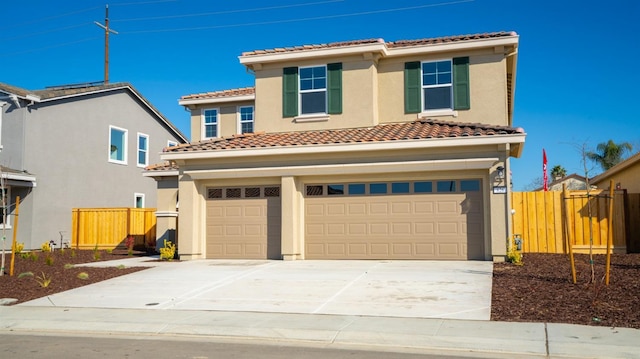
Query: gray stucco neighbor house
[(74, 146)]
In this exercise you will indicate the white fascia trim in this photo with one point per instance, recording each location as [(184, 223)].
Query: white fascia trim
[(348, 169), (348, 147), (202, 101), (378, 47), (160, 173), (161, 214), (453, 46), (18, 177)]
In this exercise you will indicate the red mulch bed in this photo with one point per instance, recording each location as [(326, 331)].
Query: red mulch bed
[(542, 290), (26, 288), (539, 291)]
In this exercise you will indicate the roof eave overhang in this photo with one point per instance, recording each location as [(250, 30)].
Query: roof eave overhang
[(617, 168), (216, 100), (29, 180), (302, 54), (514, 139), (165, 173), (380, 48)]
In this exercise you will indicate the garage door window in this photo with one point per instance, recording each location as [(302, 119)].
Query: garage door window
[(242, 192), (397, 188)]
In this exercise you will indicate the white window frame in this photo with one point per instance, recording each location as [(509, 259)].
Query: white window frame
[(124, 144), (172, 143), (240, 121), (135, 200), (6, 225), (204, 125), (443, 111), (146, 150), (325, 90)]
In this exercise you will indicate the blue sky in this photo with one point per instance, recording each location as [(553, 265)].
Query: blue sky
[(575, 86)]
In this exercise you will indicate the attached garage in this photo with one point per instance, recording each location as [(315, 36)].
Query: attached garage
[(243, 222), (440, 219)]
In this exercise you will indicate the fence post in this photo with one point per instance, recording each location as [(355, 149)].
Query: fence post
[(565, 197), (610, 234)]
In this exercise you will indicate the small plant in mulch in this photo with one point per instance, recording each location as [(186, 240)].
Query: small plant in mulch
[(168, 251), (73, 253), (68, 266), (83, 275), (48, 260), (96, 253), (25, 274), (33, 256), (43, 280)]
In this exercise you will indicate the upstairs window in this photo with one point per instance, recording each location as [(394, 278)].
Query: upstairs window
[(117, 145), (437, 89), (313, 90), (171, 143), (143, 150), (437, 85), (210, 123), (246, 119)]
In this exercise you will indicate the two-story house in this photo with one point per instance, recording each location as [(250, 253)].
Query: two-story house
[(72, 146), (353, 150)]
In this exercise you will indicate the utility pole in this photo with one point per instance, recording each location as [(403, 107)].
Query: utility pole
[(107, 30)]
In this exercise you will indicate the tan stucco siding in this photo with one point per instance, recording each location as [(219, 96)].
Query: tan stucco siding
[(228, 118), (628, 178), (358, 91), (488, 89)]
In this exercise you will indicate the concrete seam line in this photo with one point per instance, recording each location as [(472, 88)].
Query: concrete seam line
[(343, 289), (546, 339)]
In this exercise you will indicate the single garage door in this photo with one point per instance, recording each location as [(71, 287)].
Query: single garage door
[(243, 222), (395, 220)]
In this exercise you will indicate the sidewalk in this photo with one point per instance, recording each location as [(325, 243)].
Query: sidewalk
[(413, 335)]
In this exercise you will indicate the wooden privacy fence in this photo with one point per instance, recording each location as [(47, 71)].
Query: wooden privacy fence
[(539, 217), (109, 227)]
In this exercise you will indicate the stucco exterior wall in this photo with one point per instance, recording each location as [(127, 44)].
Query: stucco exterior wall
[(488, 89), (358, 91), (228, 120), (67, 148), (628, 178)]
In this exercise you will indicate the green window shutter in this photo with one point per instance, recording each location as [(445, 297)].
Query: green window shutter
[(334, 88), (461, 96), (290, 92), (412, 87)]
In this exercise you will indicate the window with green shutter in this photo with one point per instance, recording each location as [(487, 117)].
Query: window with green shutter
[(334, 88), (437, 85), (290, 92), (412, 103)]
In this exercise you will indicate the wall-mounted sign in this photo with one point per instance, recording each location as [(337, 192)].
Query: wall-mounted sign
[(500, 189)]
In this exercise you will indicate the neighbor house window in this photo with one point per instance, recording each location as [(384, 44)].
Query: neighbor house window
[(210, 123), (139, 200), (117, 145), (143, 150), (313, 90), (5, 207), (437, 85), (171, 143), (246, 119)]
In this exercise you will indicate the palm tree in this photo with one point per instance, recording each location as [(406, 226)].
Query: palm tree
[(558, 172), (609, 153)]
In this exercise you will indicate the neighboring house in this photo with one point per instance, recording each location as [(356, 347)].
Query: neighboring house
[(625, 175), (353, 150), (77, 146), (573, 181)]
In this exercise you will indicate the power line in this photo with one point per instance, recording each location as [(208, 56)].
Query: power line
[(227, 11), (300, 19), (51, 17), (45, 32), (49, 47)]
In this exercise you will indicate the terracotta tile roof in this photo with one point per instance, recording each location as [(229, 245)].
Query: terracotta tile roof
[(391, 44), (448, 39), (419, 130), (164, 166), (313, 47), (222, 93)]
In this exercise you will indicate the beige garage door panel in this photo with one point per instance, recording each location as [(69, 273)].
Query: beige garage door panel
[(243, 228), (424, 226)]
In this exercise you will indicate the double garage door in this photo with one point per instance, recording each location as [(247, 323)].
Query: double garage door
[(382, 220)]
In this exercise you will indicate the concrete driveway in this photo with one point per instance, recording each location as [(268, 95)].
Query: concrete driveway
[(417, 289)]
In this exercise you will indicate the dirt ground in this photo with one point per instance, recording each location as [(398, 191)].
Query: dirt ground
[(539, 291)]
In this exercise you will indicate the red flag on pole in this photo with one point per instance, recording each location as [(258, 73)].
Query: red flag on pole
[(545, 179)]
